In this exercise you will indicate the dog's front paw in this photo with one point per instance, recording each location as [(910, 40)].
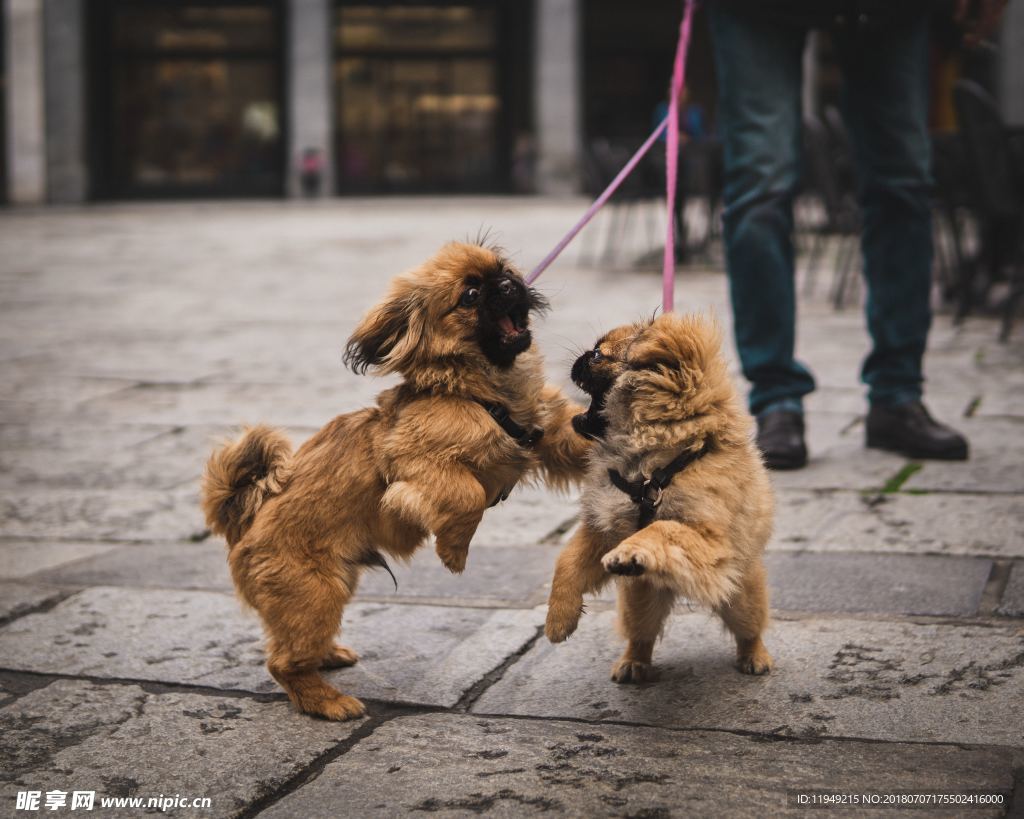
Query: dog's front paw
[(626, 560), (561, 623), (339, 708), (631, 671), (454, 561), (757, 662)]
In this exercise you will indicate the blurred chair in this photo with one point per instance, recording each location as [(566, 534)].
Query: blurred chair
[(602, 161), (997, 194), (701, 180), (952, 204), (824, 155)]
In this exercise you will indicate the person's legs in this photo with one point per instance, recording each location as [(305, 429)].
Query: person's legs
[(759, 74), (885, 100)]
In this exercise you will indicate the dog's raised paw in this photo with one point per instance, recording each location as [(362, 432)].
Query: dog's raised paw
[(622, 563), (557, 629), (631, 671), (455, 562)]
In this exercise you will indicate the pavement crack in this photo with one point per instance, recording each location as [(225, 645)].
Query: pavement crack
[(315, 768), (475, 691), (47, 605), (559, 531), (775, 734), (856, 422), (149, 686), (995, 586)]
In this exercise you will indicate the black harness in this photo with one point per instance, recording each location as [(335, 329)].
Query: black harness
[(647, 493), (526, 438)]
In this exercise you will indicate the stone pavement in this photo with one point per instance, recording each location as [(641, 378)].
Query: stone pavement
[(133, 337)]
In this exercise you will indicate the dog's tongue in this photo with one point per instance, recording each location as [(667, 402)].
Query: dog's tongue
[(506, 325)]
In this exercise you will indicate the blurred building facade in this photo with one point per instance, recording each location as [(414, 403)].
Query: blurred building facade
[(112, 99), (109, 99)]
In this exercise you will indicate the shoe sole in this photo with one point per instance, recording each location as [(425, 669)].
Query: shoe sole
[(953, 453), (784, 463)]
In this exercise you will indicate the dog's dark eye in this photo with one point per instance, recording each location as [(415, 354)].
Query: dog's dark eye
[(596, 355), (470, 296)]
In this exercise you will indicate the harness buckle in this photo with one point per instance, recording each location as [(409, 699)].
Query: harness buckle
[(655, 501)]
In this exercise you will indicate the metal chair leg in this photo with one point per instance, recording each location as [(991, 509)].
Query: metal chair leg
[(847, 251), (613, 229), (811, 265), (1013, 298)]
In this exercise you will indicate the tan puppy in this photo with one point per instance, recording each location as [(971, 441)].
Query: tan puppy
[(677, 502), (470, 419)]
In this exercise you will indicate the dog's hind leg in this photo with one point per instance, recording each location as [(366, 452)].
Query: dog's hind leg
[(578, 572), (746, 616), (451, 506), (300, 628), (643, 609)]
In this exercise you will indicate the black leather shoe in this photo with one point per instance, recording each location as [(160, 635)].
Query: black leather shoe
[(910, 430), (780, 436)]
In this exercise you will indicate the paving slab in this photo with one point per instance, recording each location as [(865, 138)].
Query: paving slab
[(164, 460), (20, 558), (513, 768), (499, 575), (948, 406), (800, 514), (832, 677), (18, 598), (837, 458), (878, 583), (531, 514), (101, 515), (1012, 604), (122, 741), (940, 523), (496, 575), (215, 403), (53, 395), (1003, 401), (59, 436), (427, 655), (186, 565)]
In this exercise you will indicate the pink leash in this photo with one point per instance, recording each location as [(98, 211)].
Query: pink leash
[(671, 168)]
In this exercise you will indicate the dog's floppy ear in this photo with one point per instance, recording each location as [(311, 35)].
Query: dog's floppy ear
[(388, 334)]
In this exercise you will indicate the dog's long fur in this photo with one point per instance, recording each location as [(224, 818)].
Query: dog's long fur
[(670, 393), (427, 459)]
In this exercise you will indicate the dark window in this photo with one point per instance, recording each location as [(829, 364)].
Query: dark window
[(428, 97), (3, 105), (628, 54), (188, 98)]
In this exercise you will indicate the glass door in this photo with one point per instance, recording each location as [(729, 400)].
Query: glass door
[(418, 102), (190, 98)]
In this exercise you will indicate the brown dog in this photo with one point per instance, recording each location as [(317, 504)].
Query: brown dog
[(470, 419), (676, 503)]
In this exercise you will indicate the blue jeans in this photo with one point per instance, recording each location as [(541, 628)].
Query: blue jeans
[(885, 103)]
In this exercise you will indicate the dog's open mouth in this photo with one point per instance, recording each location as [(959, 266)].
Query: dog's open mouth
[(512, 327)]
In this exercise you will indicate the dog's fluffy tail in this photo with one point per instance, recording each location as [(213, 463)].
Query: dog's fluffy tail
[(240, 476)]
